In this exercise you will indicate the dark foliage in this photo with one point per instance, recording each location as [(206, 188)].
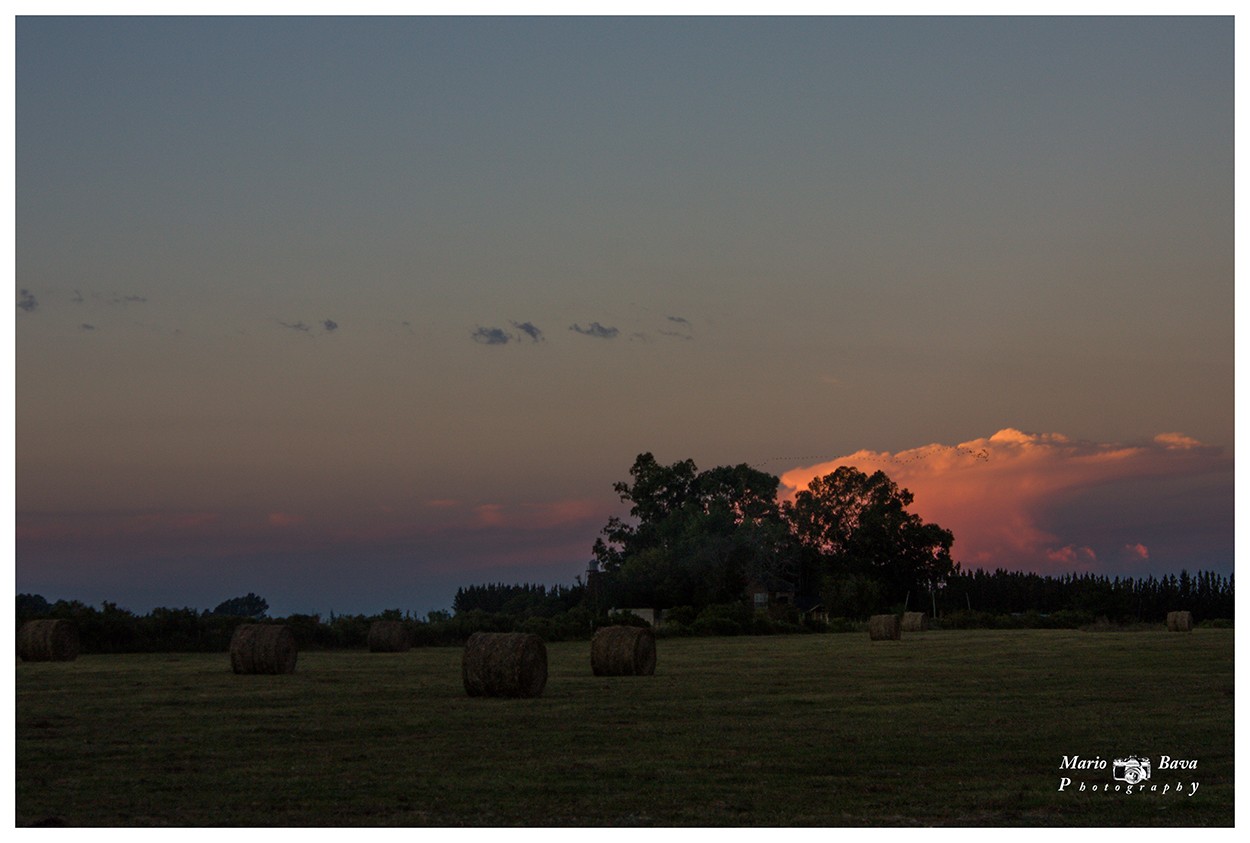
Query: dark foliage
[(699, 537), (523, 601), (1143, 600), (250, 606)]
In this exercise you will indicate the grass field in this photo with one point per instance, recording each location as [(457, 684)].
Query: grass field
[(941, 728)]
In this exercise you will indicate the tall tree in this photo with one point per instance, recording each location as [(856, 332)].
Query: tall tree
[(698, 536), (858, 526)]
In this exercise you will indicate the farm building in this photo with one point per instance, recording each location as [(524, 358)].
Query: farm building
[(770, 591)]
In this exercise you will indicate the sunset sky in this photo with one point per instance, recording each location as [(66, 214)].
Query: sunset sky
[(351, 312)]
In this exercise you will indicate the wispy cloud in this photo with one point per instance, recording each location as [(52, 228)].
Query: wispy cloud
[(679, 327), (1030, 500), (492, 336), (499, 336), (530, 330), (596, 330), (328, 326)]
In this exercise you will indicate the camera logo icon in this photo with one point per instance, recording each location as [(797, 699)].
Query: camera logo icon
[(1132, 770)]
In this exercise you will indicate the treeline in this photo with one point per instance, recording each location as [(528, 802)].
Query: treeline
[(528, 600), (1209, 596), (112, 629), (1001, 599)]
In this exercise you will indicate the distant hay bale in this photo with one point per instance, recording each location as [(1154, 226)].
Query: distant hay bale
[(623, 651), (884, 628), (1180, 622), (388, 637), (915, 621), (48, 641), (504, 664), (263, 648)]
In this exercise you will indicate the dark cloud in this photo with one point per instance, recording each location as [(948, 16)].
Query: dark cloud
[(330, 325), (596, 330), (492, 336), (295, 326), (86, 327), (686, 331), (26, 301), (128, 300), (530, 329)]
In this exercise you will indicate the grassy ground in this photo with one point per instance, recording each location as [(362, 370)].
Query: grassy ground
[(942, 728)]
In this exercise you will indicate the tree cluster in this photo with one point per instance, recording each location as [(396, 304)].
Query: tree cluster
[(699, 538), (528, 600), (1085, 597), (112, 629)]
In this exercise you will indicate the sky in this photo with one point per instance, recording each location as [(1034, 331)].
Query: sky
[(351, 312)]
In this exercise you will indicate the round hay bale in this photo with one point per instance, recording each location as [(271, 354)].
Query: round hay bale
[(1180, 622), (884, 628), (263, 648), (48, 641), (623, 651), (915, 621), (504, 664), (388, 637)]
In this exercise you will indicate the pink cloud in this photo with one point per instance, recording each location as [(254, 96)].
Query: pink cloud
[(999, 495), (1072, 556), (1138, 550), (488, 515)]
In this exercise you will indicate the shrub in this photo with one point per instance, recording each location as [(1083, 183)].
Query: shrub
[(574, 624), (841, 625), (621, 619), (544, 628), (762, 624), (1068, 619), (683, 615), (673, 629), (723, 619)]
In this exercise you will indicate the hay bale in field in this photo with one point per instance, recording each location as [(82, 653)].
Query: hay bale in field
[(915, 622), (504, 664), (388, 637), (884, 628), (48, 641), (263, 648), (1180, 622), (623, 651)]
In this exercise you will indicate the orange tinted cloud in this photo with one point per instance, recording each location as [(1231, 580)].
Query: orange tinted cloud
[(1000, 495)]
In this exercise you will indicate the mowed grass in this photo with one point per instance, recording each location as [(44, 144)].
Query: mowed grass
[(941, 728)]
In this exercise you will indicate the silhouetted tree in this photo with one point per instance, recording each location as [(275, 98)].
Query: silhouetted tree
[(858, 526), (697, 538), (250, 606)]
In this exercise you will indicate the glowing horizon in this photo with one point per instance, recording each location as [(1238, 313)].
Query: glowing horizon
[(998, 494), (352, 311)]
